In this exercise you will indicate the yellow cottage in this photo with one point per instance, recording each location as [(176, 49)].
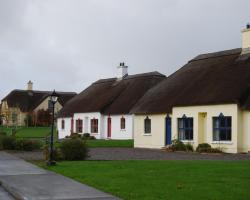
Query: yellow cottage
[(206, 101)]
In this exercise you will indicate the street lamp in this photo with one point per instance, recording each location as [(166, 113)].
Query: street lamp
[(53, 99)]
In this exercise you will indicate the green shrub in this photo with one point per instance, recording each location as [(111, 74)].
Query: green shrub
[(74, 149), (8, 142), (178, 145), (3, 133), (206, 148), (75, 135), (86, 135), (189, 147), (27, 145), (57, 154)]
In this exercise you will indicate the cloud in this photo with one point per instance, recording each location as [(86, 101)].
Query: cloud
[(68, 44)]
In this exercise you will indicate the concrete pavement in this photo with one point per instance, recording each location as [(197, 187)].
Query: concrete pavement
[(28, 182)]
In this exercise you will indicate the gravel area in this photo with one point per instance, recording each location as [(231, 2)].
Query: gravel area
[(139, 154)]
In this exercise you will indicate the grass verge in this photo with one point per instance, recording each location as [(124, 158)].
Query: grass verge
[(110, 143), (168, 180)]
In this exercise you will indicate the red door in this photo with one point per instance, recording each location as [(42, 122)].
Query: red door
[(109, 127)]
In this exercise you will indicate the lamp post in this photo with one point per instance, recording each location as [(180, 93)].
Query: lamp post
[(53, 100)]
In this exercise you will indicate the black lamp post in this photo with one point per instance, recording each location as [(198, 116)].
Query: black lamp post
[(53, 100)]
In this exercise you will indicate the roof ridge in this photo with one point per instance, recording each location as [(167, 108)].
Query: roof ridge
[(216, 54), (140, 75)]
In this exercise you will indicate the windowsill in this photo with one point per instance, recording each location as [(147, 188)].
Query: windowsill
[(94, 133), (221, 142), (122, 129), (149, 134), (187, 141)]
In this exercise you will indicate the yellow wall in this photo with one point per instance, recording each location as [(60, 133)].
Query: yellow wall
[(203, 124), (202, 127), (157, 137), (45, 103), (244, 131)]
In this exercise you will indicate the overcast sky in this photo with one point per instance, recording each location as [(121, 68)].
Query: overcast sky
[(68, 44)]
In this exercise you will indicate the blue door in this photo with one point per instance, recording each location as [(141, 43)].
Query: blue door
[(168, 130)]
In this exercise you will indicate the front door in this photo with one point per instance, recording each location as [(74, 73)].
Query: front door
[(168, 130), (109, 127)]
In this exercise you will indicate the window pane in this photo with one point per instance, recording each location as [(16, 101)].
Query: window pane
[(216, 122), (216, 135), (181, 123), (147, 125), (181, 134)]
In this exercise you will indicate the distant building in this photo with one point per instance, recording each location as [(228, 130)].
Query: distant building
[(19, 105), (206, 101), (103, 109)]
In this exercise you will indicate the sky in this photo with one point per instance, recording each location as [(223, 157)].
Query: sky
[(68, 44)]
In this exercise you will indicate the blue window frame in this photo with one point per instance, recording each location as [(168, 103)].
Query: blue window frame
[(222, 128), (185, 128)]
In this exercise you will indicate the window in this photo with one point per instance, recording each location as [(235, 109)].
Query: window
[(222, 128), (185, 128), (63, 124), (79, 126), (123, 123), (94, 125), (147, 125)]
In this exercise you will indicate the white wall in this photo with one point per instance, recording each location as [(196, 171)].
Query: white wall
[(116, 131), (62, 133), (86, 117)]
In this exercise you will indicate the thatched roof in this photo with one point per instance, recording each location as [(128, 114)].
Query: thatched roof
[(214, 78)]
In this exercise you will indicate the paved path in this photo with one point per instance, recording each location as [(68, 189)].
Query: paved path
[(140, 154), (28, 182), (152, 154), (5, 195)]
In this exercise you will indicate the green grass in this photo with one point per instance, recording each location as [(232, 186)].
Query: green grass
[(110, 143), (166, 180), (33, 132), (27, 132)]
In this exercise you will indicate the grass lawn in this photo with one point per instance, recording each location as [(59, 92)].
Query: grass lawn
[(110, 143), (166, 180), (33, 132)]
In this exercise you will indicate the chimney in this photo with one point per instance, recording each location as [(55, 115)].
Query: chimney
[(29, 86), (246, 40), (122, 71)]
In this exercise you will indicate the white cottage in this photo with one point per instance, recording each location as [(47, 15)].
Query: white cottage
[(103, 109)]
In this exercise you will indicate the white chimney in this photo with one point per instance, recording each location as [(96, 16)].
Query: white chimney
[(122, 71), (30, 86), (246, 40)]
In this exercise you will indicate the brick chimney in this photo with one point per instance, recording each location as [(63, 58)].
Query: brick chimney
[(246, 40)]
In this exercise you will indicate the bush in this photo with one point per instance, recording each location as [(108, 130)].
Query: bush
[(206, 148), (189, 147), (27, 145), (74, 149), (57, 154), (86, 135), (75, 135), (8, 142), (3, 133), (178, 145)]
